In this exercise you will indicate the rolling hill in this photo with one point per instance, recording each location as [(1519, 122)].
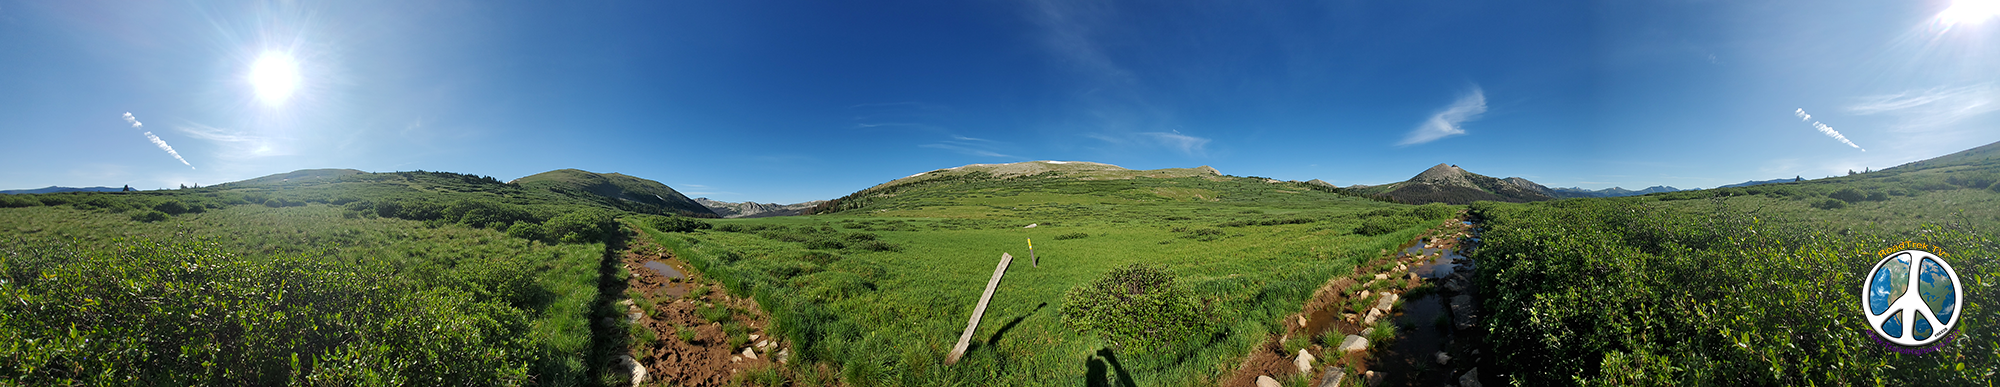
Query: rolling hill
[(616, 190)]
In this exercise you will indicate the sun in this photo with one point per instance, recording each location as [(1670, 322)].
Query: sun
[(1970, 11), (275, 75)]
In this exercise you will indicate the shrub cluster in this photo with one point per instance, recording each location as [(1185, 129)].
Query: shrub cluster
[(181, 314), (1136, 307)]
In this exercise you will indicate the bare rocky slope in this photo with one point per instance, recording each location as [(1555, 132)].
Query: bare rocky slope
[(755, 209)]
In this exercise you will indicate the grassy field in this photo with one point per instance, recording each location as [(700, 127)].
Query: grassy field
[(877, 294), (1739, 286)]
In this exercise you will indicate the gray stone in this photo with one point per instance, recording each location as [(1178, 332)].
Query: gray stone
[(749, 354), (1353, 344), (627, 365), (1464, 312), (1387, 302), (1304, 361), (1368, 332), (1333, 377), (1373, 315), (634, 317), (1443, 359), (1032, 225), (1470, 379), (784, 355), (1375, 378), (1267, 381)]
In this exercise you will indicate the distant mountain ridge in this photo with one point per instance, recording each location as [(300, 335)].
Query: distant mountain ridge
[(1446, 183), (1077, 170), (756, 210), (616, 190), (56, 189)]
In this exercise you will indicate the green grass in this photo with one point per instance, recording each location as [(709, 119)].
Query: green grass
[(896, 313)]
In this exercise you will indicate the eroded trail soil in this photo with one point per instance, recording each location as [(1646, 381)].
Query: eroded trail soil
[(723, 327), (1401, 291)]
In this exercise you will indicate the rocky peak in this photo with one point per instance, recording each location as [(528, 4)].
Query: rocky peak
[(1444, 174)]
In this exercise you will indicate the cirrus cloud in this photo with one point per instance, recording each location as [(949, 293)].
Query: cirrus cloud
[(1447, 121)]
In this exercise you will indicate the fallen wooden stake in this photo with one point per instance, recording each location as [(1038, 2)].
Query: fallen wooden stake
[(965, 339)]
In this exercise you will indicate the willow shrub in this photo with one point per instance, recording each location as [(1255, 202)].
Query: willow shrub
[(1136, 307), (182, 314), (1626, 292)]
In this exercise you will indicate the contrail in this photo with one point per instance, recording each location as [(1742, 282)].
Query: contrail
[(156, 140), (1826, 130)]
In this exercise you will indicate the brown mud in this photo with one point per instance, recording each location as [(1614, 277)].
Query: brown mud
[(711, 357)]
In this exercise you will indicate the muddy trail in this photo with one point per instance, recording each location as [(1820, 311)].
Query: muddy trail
[(700, 335), (1405, 318)]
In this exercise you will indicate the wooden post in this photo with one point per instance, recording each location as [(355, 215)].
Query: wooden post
[(964, 340), (1031, 253)]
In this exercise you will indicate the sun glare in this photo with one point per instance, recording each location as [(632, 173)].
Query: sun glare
[(1970, 11), (275, 76)]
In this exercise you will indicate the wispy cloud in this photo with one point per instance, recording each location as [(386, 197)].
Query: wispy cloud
[(966, 150), (1936, 106), (1823, 129), (1188, 145), (156, 139), (234, 144), (1446, 122)]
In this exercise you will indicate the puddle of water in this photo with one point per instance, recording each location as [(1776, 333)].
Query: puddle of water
[(676, 290), (664, 270), (1410, 359)]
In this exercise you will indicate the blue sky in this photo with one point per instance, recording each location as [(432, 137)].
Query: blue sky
[(794, 101)]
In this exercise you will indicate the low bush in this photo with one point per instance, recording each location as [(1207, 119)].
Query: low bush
[(1136, 307)]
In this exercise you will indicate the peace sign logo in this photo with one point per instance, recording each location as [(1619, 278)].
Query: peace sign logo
[(1912, 298)]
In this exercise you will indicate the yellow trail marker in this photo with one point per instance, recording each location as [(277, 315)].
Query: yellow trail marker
[(1031, 253)]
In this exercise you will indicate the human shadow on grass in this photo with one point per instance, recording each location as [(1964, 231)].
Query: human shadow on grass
[(1094, 370)]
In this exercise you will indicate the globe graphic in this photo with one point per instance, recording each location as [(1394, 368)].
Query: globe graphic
[(1907, 317)]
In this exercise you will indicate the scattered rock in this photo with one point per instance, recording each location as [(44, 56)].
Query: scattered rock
[(1368, 332), (627, 365), (1353, 344), (1464, 312), (1373, 315), (1349, 316), (1302, 321), (634, 317), (1365, 293), (1267, 381), (1304, 362), (1443, 359), (1470, 379), (1387, 302), (754, 337), (763, 344), (734, 359), (1333, 377), (1032, 225), (784, 355), (626, 302), (1375, 378), (749, 354), (1382, 276)]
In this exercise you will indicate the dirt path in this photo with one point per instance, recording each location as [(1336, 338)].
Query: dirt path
[(700, 332), (1411, 280)]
